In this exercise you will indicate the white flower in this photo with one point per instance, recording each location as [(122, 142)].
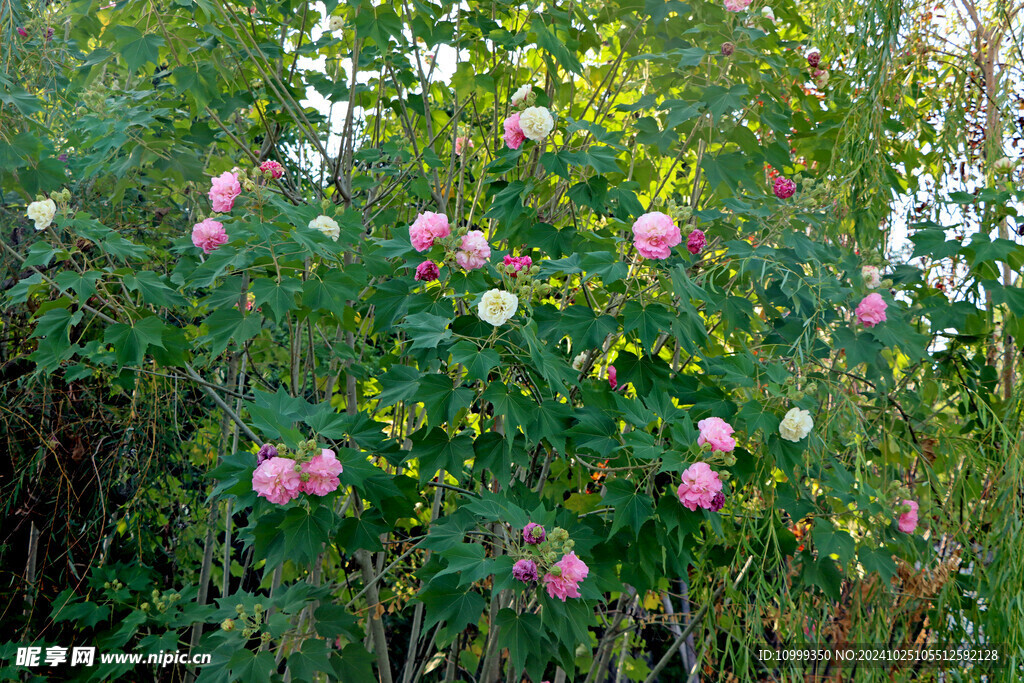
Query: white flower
[(536, 123), (577, 363), (327, 226), (768, 14), (496, 306), (872, 278), (796, 425), (1003, 165), (335, 24), (519, 96), (42, 213)]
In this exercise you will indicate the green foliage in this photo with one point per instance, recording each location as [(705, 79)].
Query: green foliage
[(453, 432)]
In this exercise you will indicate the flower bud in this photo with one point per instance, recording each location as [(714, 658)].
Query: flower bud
[(728, 49), (227, 625)]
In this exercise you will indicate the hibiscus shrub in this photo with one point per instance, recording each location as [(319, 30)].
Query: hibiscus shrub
[(558, 360)]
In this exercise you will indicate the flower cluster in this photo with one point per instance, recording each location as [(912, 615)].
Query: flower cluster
[(871, 276), (532, 123), (427, 227), (908, 516), (313, 471), (796, 425), (209, 235), (654, 235), (717, 433), (327, 225), (497, 306), (224, 189), (42, 212), (701, 487), (561, 577), (871, 310)]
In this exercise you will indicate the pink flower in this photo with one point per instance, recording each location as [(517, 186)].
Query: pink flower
[(323, 471), (276, 480), (514, 135), (460, 144), (209, 235), (534, 533), (696, 241), (813, 57), (716, 431), (736, 5), (474, 251), (613, 376), (908, 520), (427, 271), (276, 169), (654, 235), (572, 572), (784, 188), (717, 502), (525, 570), (224, 188), (700, 487), (518, 262), (427, 227), (871, 310), (22, 32)]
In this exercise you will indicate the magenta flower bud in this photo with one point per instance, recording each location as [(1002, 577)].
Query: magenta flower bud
[(534, 533), (696, 241), (813, 59), (717, 502), (427, 271), (784, 188), (49, 33), (267, 451), (22, 32), (728, 49), (525, 570)]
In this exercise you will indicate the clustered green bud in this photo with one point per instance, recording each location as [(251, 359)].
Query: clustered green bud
[(227, 625)]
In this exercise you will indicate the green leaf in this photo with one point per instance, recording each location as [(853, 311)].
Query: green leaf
[(400, 383), (467, 560), (144, 49), (310, 660), (631, 507), (478, 362), (650, 321), (362, 532), (279, 296), (690, 56), (227, 325), (154, 289), (426, 330), (246, 665), (521, 634), (442, 399), (131, 341), (550, 42), (831, 541), (587, 329), (436, 451), (445, 601), (721, 100), (355, 664)]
